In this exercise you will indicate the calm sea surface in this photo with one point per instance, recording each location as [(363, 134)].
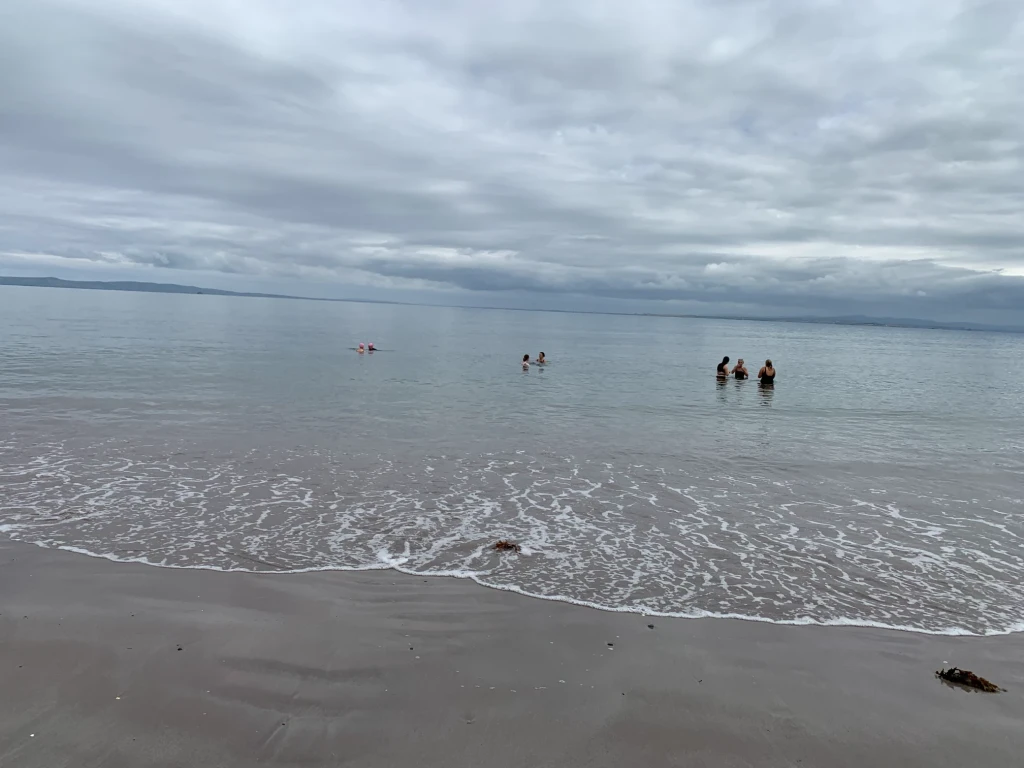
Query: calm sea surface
[(881, 482)]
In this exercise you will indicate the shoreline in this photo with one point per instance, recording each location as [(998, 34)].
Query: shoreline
[(379, 668), (385, 567)]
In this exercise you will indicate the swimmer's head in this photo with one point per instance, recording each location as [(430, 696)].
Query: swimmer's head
[(526, 358), (768, 363), (361, 345), (740, 361)]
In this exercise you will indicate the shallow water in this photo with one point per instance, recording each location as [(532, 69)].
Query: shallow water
[(881, 481)]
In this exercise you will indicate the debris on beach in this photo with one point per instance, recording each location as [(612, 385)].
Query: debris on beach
[(969, 679), (507, 546)]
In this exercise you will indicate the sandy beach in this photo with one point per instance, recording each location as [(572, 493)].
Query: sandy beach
[(108, 664)]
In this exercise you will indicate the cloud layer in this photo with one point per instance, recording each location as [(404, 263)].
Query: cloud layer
[(819, 156)]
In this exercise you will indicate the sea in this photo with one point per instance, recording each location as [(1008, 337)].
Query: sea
[(880, 483)]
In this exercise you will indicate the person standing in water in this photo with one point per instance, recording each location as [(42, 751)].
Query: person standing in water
[(740, 371), (767, 374), (541, 360), (722, 372), (526, 362)]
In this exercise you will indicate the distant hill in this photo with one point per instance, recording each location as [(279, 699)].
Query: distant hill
[(128, 285), (903, 322), (139, 287)]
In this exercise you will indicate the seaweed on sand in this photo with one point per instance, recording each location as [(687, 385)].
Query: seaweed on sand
[(508, 546), (969, 679)]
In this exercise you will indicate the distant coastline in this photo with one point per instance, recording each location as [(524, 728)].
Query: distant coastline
[(143, 287)]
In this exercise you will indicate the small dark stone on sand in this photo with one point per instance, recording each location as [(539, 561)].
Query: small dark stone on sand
[(611, 645), (650, 626), (179, 647), (410, 647)]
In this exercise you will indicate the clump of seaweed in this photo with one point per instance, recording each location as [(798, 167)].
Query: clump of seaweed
[(508, 546), (969, 679)]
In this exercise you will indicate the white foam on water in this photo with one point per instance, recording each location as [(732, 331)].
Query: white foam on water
[(474, 576), (642, 539)]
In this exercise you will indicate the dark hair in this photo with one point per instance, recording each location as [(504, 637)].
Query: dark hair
[(526, 358), (768, 362), (542, 354)]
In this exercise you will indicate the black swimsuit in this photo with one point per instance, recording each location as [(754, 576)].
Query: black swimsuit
[(767, 381), (741, 375)]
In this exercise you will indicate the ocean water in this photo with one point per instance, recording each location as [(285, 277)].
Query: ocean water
[(880, 483)]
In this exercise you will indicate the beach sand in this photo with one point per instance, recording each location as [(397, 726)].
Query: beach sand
[(107, 664)]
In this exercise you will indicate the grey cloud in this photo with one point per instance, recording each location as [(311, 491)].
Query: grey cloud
[(811, 159)]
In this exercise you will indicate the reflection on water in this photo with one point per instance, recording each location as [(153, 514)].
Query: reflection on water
[(722, 386)]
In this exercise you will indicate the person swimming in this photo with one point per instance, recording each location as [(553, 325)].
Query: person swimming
[(370, 347), (541, 360), (722, 372), (526, 362), (767, 374), (740, 371), (361, 348)]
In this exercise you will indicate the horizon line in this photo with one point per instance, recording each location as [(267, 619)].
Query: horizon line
[(848, 320)]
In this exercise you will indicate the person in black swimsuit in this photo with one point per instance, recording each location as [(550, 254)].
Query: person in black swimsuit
[(740, 371), (722, 372), (767, 374)]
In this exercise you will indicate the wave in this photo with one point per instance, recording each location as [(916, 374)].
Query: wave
[(691, 542)]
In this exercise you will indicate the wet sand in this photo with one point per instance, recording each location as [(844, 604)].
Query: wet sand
[(381, 669)]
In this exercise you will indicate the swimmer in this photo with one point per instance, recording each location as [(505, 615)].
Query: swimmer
[(767, 374), (541, 359), (740, 371), (526, 362), (370, 347), (362, 348), (722, 372)]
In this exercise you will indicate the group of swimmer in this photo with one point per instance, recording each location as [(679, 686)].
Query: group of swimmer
[(766, 374), (541, 360)]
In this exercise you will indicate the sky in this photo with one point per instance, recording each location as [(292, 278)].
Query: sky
[(765, 157)]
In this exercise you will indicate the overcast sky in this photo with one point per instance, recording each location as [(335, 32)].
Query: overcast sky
[(781, 157)]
